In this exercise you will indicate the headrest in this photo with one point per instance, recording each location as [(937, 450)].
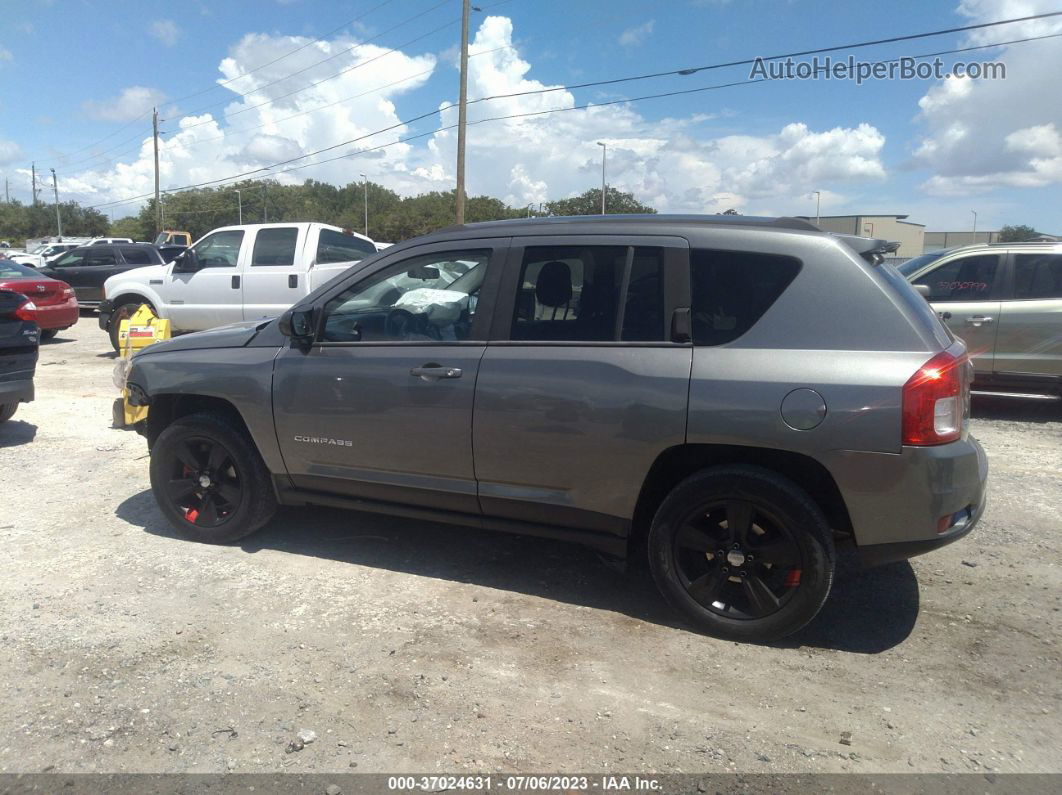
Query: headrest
[(554, 287)]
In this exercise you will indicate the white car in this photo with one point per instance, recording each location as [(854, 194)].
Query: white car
[(42, 255), (235, 273)]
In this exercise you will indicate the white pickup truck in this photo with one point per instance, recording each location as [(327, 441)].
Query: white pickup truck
[(234, 273)]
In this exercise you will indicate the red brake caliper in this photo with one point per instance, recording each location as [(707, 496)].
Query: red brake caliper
[(190, 514), (792, 579)]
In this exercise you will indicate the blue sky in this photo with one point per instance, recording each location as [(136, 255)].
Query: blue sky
[(75, 74)]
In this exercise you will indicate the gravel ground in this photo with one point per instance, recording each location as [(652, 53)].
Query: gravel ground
[(406, 646)]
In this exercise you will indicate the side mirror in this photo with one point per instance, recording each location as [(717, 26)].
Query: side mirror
[(922, 290), (186, 262), (424, 273), (297, 324)]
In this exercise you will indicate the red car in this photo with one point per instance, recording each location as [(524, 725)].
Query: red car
[(56, 305)]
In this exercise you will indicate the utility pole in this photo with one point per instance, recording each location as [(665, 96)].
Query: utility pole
[(365, 182), (239, 204), (265, 196), (158, 206), (462, 115), (818, 203), (58, 218), (33, 171), (604, 152), (974, 226), (7, 192)]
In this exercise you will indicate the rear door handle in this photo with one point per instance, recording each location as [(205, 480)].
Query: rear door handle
[(235, 282), (980, 320), (432, 372)]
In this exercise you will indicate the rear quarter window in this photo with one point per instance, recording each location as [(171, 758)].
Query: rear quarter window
[(732, 290)]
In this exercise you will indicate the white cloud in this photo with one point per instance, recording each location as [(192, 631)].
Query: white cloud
[(636, 35), (166, 31), (9, 152), (130, 104), (5, 55), (671, 163), (986, 134)]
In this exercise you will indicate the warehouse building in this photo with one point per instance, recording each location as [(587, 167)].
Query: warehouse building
[(910, 236)]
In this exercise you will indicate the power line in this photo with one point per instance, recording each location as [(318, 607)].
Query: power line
[(271, 169)]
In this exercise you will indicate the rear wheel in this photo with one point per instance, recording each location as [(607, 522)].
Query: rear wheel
[(48, 334), (742, 553), (7, 411), (209, 480), (120, 313)]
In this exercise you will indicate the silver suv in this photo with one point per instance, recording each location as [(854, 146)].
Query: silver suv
[(732, 397), (1005, 301)]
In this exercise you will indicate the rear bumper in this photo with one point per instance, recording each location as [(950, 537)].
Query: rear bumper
[(16, 391), (105, 308), (913, 502), (61, 315)]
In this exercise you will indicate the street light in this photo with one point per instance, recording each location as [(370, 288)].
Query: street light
[(818, 203), (974, 226), (239, 204), (604, 153), (365, 182)]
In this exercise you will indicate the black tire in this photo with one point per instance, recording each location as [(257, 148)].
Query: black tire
[(48, 334), (235, 499), (7, 411), (776, 566), (120, 313)]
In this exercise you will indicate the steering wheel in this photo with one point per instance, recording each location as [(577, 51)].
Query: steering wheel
[(404, 325)]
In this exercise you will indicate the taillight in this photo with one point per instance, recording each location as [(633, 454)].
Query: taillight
[(934, 400), (26, 312), (68, 292)]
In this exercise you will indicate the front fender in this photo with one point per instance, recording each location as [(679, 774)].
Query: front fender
[(117, 287)]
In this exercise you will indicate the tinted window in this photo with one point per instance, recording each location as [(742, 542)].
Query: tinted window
[(220, 250), (573, 294), (275, 246), (1038, 276), (917, 263), (432, 297), (335, 246), (964, 279), (733, 289), (138, 256)]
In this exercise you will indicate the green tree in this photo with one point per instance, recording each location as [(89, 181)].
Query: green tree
[(1016, 234), (617, 202)]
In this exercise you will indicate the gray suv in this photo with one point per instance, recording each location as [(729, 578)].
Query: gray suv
[(1005, 301), (732, 397)]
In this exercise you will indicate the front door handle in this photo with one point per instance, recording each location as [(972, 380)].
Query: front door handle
[(432, 372), (980, 320), (235, 282)]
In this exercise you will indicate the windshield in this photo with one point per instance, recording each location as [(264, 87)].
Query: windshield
[(12, 270), (915, 264)]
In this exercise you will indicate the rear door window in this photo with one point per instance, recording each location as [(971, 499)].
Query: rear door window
[(590, 294), (275, 246), (970, 278), (1037, 276), (731, 291)]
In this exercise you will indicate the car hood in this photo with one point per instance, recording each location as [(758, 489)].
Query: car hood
[(144, 275), (234, 335)]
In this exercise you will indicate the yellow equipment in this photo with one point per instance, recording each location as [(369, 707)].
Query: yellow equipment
[(143, 328)]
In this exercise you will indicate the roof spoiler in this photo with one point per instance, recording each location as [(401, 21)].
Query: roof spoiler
[(872, 249)]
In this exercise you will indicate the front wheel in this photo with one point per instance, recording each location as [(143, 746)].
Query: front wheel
[(209, 480), (742, 553), (7, 411)]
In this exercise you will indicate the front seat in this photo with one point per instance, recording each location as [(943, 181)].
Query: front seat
[(554, 288)]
